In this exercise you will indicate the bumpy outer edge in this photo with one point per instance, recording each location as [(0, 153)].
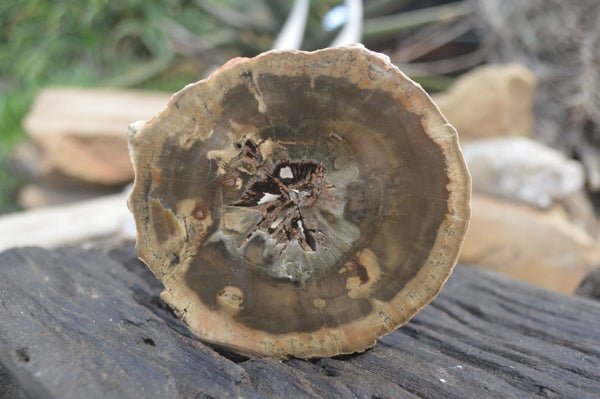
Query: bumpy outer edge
[(420, 291)]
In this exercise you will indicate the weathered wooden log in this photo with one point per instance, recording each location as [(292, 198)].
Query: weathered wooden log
[(78, 323)]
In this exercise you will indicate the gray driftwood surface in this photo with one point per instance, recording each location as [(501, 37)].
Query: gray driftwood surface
[(90, 324)]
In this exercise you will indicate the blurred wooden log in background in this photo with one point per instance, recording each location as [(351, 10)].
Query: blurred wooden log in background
[(82, 133)]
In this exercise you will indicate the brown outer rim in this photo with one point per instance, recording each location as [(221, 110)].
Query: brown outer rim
[(361, 334)]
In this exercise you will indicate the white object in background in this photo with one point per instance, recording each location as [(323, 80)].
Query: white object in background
[(350, 14), (335, 18), (522, 169), (66, 224), (292, 32), (352, 31)]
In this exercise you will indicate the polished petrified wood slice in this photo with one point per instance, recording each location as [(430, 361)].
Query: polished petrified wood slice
[(299, 203)]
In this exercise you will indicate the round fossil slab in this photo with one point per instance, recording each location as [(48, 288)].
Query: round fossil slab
[(299, 203)]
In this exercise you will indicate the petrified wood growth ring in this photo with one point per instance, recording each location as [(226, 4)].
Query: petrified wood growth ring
[(299, 203)]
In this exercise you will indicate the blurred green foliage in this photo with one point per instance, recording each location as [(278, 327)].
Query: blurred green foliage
[(138, 43), (150, 44), (84, 43), (70, 42)]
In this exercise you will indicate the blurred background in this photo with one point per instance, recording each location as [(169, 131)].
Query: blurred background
[(519, 80)]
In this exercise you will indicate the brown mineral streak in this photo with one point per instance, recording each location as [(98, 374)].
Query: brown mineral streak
[(290, 184), (200, 212)]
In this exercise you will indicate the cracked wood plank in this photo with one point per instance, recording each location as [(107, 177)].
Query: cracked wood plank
[(78, 323)]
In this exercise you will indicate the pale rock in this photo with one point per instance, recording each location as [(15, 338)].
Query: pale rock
[(54, 226), (491, 100), (82, 132), (36, 195), (541, 247), (522, 169)]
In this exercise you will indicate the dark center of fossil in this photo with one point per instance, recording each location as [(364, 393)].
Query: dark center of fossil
[(282, 196), (292, 219)]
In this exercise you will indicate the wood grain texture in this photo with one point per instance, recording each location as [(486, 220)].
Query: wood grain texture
[(77, 323)]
